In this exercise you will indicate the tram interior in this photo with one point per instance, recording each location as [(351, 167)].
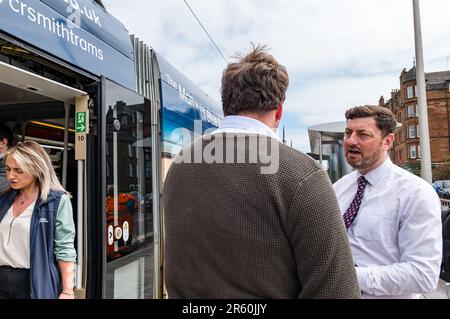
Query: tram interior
[(34, 117)]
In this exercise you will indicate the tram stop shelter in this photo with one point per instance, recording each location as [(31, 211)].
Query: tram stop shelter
[(326, 141)]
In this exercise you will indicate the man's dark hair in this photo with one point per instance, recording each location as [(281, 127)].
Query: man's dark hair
[(257, 83), (5, 132), (384, 118)]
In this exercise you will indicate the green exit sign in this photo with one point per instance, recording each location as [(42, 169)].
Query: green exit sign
[(81, 122)]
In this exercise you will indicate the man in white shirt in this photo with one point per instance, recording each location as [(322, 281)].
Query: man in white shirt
[(393, 217)]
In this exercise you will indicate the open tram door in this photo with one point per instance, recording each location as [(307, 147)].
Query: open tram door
[(130, 218), (55, 116)]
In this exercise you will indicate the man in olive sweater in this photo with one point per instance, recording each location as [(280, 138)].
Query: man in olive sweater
[(247, 216)]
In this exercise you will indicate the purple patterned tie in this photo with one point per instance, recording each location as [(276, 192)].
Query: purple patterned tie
[(352, 210)]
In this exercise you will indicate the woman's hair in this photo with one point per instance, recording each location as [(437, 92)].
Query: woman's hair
[(34, 160)]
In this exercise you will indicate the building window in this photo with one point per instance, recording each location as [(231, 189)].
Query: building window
[(419, 155), (410, 92), (412, 131), (411, 111), (412, 152)]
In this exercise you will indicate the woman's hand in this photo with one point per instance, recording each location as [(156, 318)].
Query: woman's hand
[(67, 275), (67, 295)]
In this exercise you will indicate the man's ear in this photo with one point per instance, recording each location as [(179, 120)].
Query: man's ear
[(279, 112), (389, 141)]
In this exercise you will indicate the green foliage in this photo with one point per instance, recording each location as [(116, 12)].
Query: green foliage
[(441, 172)]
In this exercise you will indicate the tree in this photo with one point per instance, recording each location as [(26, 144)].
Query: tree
[(441, 172)]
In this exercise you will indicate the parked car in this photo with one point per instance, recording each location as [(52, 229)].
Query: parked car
[(442, 186)]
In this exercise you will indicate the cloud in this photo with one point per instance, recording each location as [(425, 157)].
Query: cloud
[(339, 53), (326, 99)]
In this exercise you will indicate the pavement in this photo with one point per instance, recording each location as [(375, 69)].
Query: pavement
[(442, 291)]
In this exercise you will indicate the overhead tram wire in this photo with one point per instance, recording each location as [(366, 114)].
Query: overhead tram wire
[(214, 43)]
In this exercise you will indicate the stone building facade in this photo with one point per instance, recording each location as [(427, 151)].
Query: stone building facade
[(403, 103)]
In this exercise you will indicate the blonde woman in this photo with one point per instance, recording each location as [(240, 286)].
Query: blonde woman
[(37, 254)]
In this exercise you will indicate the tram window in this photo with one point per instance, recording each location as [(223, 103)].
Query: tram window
[(129, 213)]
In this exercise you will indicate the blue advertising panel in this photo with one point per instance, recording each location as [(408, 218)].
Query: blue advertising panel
[(95, 20), (185, 109), (88, 37)]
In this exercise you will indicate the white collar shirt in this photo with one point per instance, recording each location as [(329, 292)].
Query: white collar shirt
[(245, 125), (396, 236)]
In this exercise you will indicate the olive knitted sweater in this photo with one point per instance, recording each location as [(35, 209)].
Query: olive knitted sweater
[(232, 232)]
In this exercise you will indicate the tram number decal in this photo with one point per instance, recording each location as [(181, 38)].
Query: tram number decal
[(81, 138)]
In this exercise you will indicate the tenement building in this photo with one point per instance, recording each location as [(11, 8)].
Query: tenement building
[(403, 103)]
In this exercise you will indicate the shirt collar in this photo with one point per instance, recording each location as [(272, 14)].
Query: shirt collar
[(244, 124), (374, 176)]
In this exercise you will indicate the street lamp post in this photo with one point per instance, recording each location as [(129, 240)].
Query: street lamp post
[(425, 169)]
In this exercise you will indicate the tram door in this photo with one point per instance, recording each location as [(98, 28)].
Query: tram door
[(38, 109), (127, 189)]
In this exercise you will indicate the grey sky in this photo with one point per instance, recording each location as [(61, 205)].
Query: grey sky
[(339, 53)]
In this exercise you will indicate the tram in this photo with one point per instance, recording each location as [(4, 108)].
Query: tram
[(112, 114)]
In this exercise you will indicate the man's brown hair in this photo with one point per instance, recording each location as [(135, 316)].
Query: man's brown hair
[(257, 83), (384, 118)]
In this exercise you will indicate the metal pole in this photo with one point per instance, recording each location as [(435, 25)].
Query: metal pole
[(80, 221), (425, 170), (158, 214), (320, 150), (115, 183), (66, 143)]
